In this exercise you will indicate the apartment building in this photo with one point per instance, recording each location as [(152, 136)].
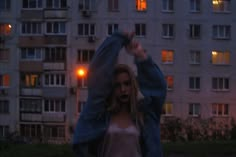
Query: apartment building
[(45, 42)]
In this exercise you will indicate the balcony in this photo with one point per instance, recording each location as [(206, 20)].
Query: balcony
[(53, 117), (33, 117), (54, 66), (55, 14), (31, 14), (31, 91)]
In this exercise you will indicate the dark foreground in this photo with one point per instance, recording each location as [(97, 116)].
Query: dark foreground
[(178, 149)]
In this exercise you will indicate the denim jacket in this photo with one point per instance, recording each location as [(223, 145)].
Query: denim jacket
[(94, 119)]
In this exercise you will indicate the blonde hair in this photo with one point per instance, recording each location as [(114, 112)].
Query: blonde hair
[(114, 106)]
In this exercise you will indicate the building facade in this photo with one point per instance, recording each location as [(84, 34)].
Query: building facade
[(45, 42)]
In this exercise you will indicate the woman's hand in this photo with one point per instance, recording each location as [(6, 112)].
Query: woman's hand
[(135, 49)]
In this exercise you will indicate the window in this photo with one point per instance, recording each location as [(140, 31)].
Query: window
[(167, 109), (219, 109), (31, 105), (195, 5), (112, 28), (168, 30), (55, 54), (194, 109), (85, 56), (4, 54), (82, 82), (54, 131), (194, 83), (31, 28), (220, 84), (56, 27), (221, 5), (56, 80), (4, 80), (4, 106), (81, 105), (32, 4), (30, 130), (87, 5), (4, 131), (194, 31), (141, 5), (31, 53), (167, 56), (56, 4), (86, 29), (5, 29), (195, 57), (170, 82), (113, 5), (220, 57), (30, 80), (168, 5), (221, 31), (54, 105), (140, 29), (5, 5)]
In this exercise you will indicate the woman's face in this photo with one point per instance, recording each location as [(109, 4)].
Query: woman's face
[(122, 88)]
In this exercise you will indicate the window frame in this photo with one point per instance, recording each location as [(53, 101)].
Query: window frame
[(5, 5), (220, 57), (195, 57), (139, 5), (195, 31), (168, 31), (4, 106), (88, 29), (31, 28), (168, 6), (195, 6), (113, 5), (216, 107), (194, 109), (167, 110), (140, 29), (224, 8), (111, 28), (81, 55), (54, 79), (169, 58), (55, 28), (38, 4), (221, 32), (221, 84), (37, 53), (194, 83)]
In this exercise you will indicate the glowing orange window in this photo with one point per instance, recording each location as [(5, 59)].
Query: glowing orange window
[(141, 5)]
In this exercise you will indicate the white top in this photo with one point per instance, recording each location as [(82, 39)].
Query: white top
[(121, 142)]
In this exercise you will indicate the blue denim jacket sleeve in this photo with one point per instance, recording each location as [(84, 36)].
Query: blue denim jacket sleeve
[(99, 87), (152, 85)]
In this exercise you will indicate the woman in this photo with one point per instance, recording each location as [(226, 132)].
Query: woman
[(114, 123)]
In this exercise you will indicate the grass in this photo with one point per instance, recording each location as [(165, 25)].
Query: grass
[(181, 149)]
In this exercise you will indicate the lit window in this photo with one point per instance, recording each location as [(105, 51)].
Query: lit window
[(141, 5), (168, 5), (194, 31), (85, 29), (220, 57), (32, 3), (4, 54), (194, 83), (195, 57), (85, 56), (30, 80), (194, 109), (167, 109), (4, 106), (5, 5), (56, 4), (54, 80), (221, 5), (113, 5), (220, 109), (221, 31), (140, 29), (170, 82), (31, 53), (112, 28), (55, 54), (168, 30), (220, 84), (167, 56), (31, 28), (5, 29), (4, 80), (195, 5)]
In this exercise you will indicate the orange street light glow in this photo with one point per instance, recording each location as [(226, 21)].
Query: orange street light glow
[(81, 72)]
